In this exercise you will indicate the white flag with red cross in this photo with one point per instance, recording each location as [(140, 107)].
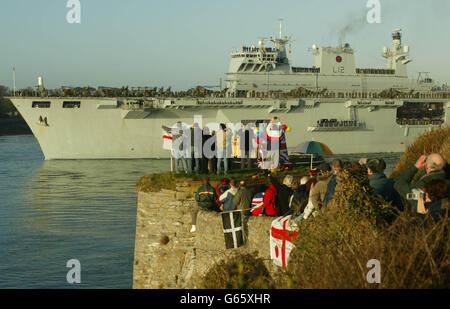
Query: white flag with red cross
[(283, 233), (167, 141)]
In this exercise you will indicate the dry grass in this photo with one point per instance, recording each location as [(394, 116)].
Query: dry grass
[(437, 140), (334, 248), (253, 177)]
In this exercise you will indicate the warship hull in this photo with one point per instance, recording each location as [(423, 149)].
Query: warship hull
[(117, 128)]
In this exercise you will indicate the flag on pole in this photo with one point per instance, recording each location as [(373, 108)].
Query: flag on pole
[(232, 229), (257, 204), (283, 233), (167, 141)]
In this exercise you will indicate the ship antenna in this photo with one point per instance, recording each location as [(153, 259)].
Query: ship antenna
[(281, 27), (14, 80)]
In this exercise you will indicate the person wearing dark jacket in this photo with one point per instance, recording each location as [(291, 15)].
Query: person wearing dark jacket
[(436, 202), (196, 135), (381, 184), (245, 146), (298, 200), (243, 198), (434, 166), (226, 199), (204, 162), (284, 194), (206, 198)]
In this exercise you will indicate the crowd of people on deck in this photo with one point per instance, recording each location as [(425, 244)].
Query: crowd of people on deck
[(310, 195)]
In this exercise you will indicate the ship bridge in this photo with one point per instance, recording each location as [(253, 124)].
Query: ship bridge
[(254, 59)]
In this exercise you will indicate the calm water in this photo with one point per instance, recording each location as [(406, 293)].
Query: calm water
[(54, 211)]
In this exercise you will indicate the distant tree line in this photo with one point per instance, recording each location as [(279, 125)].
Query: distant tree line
[(6, 106)]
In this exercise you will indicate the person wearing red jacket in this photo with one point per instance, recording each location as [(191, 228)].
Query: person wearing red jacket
[(270, 196)]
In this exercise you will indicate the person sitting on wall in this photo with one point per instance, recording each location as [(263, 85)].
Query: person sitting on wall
[(206, 198), (270, 198), (220, 188), (226, 199), (336, 166), (284, 195), (436, 201), (381, 184), (243, 198), (298, 193), (319, 190), (434, 166), (298, 200)]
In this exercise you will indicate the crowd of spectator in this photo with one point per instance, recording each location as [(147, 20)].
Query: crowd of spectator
[(427, 197)]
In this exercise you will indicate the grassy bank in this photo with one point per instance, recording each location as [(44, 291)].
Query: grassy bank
[(156, 182)]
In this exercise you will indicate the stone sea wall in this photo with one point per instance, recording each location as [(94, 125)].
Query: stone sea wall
[(168, 255)]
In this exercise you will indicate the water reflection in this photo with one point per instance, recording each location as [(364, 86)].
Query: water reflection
[(53, 211)]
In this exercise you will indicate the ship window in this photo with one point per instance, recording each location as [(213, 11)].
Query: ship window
[(71, 104), (421, 113), (39, 104)]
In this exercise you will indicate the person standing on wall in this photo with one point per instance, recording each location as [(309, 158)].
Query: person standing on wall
[(221, 148), (245, 146), (273, 134)]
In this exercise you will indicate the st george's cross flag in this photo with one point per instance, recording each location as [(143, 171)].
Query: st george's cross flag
[(283, 233), (232, 229)]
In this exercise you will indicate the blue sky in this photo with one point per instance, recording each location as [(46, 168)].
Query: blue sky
[(183, 43)]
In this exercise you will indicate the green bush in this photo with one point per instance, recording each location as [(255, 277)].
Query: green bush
[(240, 272)]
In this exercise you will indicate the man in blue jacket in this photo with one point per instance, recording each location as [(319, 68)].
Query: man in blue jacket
[(206, 198)]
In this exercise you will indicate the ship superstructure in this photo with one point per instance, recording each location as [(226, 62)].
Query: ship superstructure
[(351, 109), (262, 71)]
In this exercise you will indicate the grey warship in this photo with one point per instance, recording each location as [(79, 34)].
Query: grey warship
[(350, 109)]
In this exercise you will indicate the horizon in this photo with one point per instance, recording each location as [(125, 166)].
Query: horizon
[(185, 44)]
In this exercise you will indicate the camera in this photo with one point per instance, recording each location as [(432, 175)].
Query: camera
[(415, 195)]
